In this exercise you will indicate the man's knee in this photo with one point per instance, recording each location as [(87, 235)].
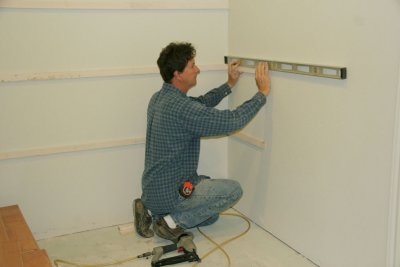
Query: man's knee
[(237, 190), (210, 220)]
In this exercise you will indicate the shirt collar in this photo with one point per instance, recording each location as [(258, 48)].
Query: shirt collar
[(169, 86)]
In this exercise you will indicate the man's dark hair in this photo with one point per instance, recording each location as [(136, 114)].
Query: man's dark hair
[(174, 56)]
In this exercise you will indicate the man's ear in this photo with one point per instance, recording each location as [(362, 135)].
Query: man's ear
[(177, 75)]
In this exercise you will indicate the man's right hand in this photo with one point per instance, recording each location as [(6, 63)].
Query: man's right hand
[(262, 78)]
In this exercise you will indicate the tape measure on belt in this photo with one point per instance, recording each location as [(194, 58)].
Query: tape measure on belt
[(186, 189)]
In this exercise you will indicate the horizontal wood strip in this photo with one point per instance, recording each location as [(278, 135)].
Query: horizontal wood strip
[(112, 5), (102, 145), (250, 139), (78, 74), (71, 148)]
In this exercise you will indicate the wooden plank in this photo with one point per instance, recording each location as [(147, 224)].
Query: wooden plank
[(5, 212), (36, 258), (10, 254), (23, 235), (18, 247), (16, 228), (3, 233), (9, 211)]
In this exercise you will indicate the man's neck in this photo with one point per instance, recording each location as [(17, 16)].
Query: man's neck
[(180, 86)]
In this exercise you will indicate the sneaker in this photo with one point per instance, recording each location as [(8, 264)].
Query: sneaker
[(142, 220), (162, 229)]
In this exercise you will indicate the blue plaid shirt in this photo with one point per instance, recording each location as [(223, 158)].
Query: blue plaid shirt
[(175, 123)]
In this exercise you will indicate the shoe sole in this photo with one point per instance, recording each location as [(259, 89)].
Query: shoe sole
[(141, 219)]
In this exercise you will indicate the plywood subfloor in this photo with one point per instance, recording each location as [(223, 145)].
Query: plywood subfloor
[(255, 249)]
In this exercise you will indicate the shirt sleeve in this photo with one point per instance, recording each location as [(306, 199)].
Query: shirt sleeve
[(201, 120), (214, 96)]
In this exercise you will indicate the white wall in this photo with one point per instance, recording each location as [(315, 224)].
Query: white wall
[(322, 183), (42, 111), (394, 254)]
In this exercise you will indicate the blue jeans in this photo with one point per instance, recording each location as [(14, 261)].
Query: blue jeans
[(209, 198)]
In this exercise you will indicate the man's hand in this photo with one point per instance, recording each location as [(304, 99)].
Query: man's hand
[(262, 78), (233, 73)]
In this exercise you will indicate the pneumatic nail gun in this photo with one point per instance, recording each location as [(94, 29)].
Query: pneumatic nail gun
[(185, 245)]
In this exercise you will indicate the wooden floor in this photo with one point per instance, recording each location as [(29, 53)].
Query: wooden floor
[(18, 248)]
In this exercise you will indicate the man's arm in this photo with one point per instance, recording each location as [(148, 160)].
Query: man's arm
[(213, 97), (208, 121)]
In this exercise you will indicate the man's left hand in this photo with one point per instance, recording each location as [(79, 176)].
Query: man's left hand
[(233, 73)]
